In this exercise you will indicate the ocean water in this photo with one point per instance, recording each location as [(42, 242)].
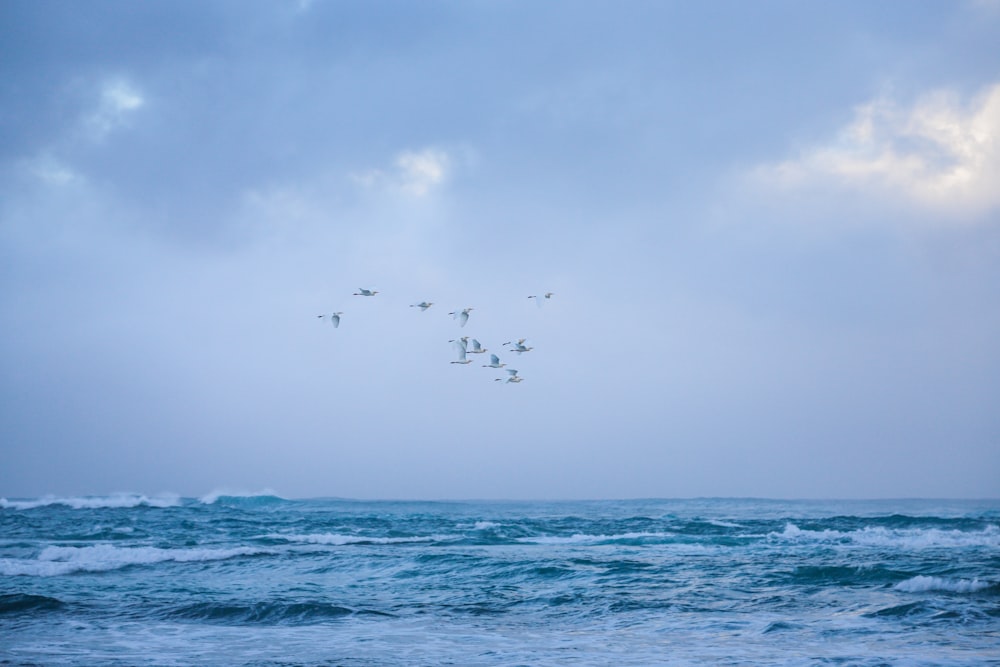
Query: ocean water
[(264, 581)]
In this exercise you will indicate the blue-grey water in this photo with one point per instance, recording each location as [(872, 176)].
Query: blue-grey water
[(259, 580)]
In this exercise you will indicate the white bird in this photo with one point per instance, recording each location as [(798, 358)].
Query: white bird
[(477, 347), (460, 346), (462, 342), (519, 347), (461, 315), (423, 305), (334, 319), (539, 300), (366, 292), (512, 376), (494, 362)]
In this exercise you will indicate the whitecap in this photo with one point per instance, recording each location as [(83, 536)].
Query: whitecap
[(896, 538), (338, 539), (486, 525), (924, 584), (114, 501), (581, 538), (53, 560)]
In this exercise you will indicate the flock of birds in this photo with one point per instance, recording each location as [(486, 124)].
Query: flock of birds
[(465, 345)]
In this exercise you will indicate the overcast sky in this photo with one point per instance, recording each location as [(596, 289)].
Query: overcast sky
[(772, 231)]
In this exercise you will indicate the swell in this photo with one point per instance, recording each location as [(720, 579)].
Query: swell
[(264, 612)]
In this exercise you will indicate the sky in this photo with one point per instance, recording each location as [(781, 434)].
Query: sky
[(771, 231)]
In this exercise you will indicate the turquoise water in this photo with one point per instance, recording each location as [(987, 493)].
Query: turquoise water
[(222, 580)]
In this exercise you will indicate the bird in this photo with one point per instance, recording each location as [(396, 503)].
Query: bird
[(460, 346), (461, 315), (541, 299), (462, 342), (477, 347), (423, 305), (519, 347), (512, 376), (494, 362), (366, 292), (334, 319)]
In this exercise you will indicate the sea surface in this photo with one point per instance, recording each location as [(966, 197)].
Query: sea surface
[(265, 581)]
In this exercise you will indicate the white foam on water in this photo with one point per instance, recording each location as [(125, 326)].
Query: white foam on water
[(924, 584), (896, 538), (114, 501), (338, 539), (581, 538), (55, 561)]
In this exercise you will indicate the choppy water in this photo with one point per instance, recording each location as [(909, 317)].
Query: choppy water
[(131, 580)]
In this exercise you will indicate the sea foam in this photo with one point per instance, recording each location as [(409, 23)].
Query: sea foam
[(924, 584), (114, 501), (55, 560)]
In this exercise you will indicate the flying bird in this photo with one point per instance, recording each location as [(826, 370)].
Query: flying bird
[(462, 342), (477, 347), (539, 300), (494, 362), (461, 315), (460, 346), (334, 319), (519, 347), (512, 376), (423, 305), (366, 292)]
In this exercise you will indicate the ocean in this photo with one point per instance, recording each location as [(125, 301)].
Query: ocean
[(265, 581)]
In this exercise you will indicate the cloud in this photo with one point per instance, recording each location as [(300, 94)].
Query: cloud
[(941, 153), (415, 173), (118, 99)]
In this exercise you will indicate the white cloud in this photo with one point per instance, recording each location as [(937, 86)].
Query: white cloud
[(51, 171), (118, 99), (941, 153), (416, 173)]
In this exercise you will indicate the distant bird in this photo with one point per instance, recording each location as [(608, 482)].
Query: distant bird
[(366, 292), (334, 319), (477, 347), (461, 315), (539, 300), (462, 342), (460, 346), (512, 376), (519, 347), (423, 305), (494, 362)]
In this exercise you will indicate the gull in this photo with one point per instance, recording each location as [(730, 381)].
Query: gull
[(512, 376), (477, 347), (519, 346), (334, 319), (366, 292), (541, 299), (423, 305), (494, 362), (461, 315), (460, 346)]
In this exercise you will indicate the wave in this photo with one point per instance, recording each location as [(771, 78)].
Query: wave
[(20, 603), (906, 538), (56, 561), (582, 539), (114, 501), (227, 497), (924, 584), (264, 613), (338, 539)]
